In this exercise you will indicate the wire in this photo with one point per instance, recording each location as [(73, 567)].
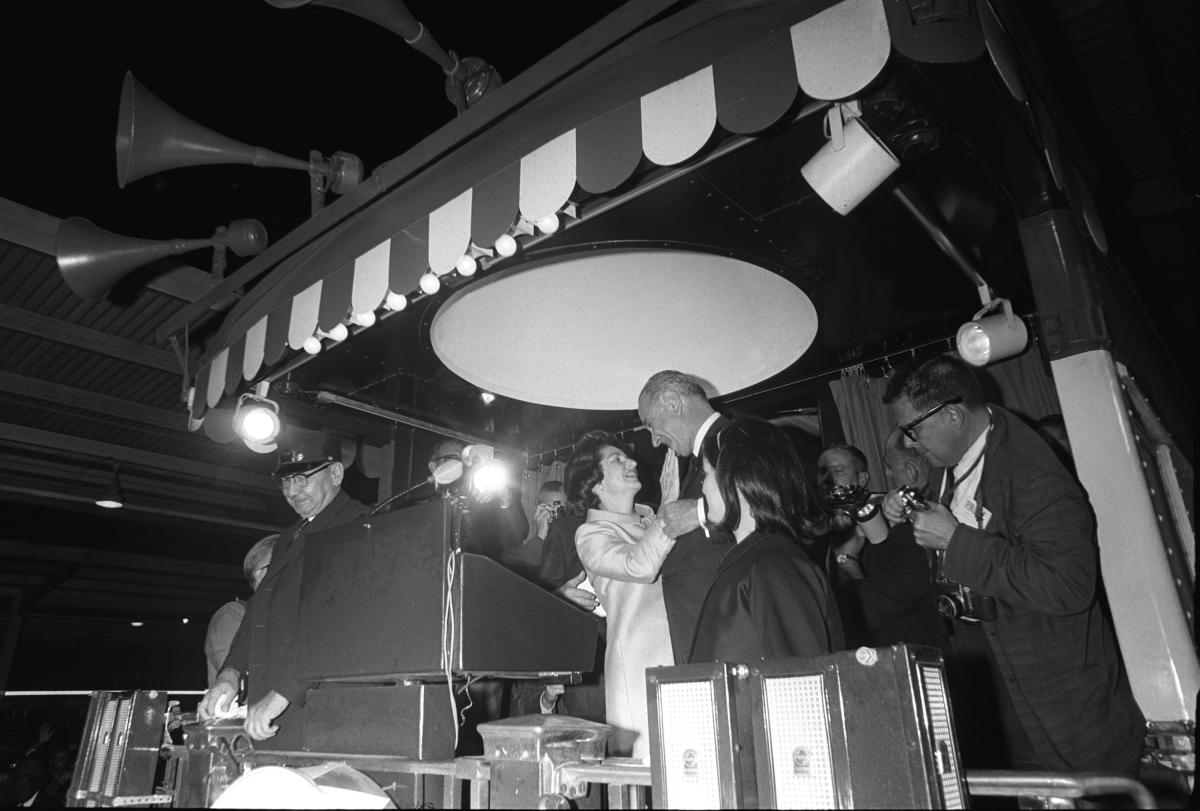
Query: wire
[(448, 637)]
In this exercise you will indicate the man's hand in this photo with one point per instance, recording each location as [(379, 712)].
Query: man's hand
[(893, 507), (581, 597), (853, 544), (541, 520), (933, 527), (219, 697), (262, 713), (679, 517)]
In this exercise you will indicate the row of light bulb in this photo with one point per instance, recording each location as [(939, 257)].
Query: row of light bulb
[(430, 283)]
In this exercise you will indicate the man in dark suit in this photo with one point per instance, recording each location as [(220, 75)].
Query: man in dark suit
[(264, 648), (1019, 534), (675, 410)]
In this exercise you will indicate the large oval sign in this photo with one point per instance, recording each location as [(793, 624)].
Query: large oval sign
[(586, 331)]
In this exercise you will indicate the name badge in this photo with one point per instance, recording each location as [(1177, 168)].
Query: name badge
[(971, 514)]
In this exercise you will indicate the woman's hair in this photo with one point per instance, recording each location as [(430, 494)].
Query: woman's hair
[(755, 457), (583, 470)]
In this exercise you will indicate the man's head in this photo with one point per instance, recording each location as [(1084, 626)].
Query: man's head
[(906, 467), (254, 565), (672, 406), (309, 481), (841, 464), (939, 407), (550, 492), (446, 451)]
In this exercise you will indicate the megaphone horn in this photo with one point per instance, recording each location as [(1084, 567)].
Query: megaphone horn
[(152, 137), (92, 260)]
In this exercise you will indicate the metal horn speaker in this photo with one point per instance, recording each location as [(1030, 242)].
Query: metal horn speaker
[(152, 137), (92, 260)]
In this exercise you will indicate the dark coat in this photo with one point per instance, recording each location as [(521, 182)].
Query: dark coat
[(1052, 641), (264, 649), (768, 600), (688, 569), (560, 559)]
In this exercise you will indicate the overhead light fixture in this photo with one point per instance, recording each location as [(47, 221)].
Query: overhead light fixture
[(257, 422), (851, 164), (137, 623), (113, 498), (988, 338), (487, 397)]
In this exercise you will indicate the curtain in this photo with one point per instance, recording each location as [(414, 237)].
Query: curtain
[(866, 421)]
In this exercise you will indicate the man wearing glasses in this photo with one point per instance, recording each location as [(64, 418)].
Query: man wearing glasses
[(264, 646), (1017, 570)]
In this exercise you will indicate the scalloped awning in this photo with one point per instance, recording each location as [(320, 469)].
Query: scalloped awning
[(830, 55)]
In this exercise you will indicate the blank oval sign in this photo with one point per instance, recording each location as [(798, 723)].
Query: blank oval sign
[(586, 331)]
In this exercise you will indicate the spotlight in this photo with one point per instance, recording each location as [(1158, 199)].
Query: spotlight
[(256, 419), (850, 165), (489, 479), (113, 498), (984, 340), (487, 397), (137, 624)]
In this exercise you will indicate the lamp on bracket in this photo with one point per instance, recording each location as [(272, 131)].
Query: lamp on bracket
[(92, 260), (988, 338), (256, 420), (851, 163), (152, 137)]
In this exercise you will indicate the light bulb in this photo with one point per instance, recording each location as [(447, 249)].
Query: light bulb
[(506, 245), (466, 265), (548, 224), (430, 283), (260, 424), (395, 302), (312, 344), (339, 333), (364, 319)]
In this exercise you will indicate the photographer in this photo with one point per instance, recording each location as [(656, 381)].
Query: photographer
[(526, 558), (888, 584), (853, 518), (1016, 531)]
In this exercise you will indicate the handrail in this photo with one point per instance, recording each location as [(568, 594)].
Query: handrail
[(1068, 785)]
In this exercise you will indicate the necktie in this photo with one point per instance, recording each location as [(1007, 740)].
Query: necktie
[(947, 488), (669, 479)]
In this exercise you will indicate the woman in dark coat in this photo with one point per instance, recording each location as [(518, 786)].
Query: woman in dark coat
[(768, 600)]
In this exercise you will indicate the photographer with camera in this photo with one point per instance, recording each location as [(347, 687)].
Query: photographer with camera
[(889, 584), (1015, 530)]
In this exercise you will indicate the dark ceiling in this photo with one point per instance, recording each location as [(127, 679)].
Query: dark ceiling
[(85, 383)]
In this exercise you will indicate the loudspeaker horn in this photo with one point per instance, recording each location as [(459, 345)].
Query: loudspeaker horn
[(152, 137), (92, 260)]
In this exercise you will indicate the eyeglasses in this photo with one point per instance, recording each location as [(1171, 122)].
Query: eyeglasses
[(300, 480), (907, 428), (450, 457)]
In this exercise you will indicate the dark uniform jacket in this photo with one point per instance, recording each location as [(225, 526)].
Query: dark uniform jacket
[(768, 600), (1052, 642), (265, 646), (689, 567)]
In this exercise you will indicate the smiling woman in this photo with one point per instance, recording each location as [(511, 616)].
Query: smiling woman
[(622, 547)]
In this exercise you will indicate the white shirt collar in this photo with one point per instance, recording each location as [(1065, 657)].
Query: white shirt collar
[(703, 432), (973, 452)]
